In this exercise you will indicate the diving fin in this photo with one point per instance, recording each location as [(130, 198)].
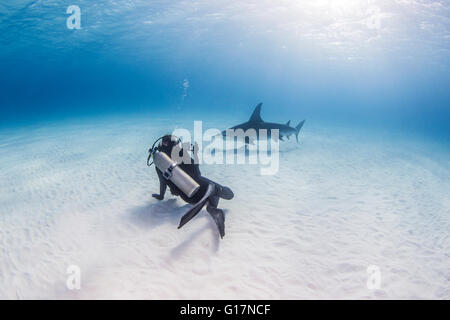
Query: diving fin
[(219, 219), (197, 207)]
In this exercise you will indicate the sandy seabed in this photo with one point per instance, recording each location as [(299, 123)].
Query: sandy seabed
[(79, 193)]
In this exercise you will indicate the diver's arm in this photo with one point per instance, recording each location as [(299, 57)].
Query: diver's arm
[(195, 152), (162, 187), (196, 160)]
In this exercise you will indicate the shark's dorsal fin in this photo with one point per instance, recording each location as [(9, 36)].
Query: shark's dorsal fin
[(288, 123), (256, 117)]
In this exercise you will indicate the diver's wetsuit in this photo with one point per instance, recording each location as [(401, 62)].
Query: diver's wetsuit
[(209, 192)]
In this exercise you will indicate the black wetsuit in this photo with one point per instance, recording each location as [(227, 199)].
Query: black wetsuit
[(209, 192)]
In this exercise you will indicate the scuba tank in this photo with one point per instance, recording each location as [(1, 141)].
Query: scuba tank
[(171, 171)]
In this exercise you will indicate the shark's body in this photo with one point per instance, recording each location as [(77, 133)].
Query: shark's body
[(255, 122)]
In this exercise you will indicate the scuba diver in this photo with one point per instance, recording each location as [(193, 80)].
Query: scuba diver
[(185, 180)]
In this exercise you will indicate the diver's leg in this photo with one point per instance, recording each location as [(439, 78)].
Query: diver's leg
[(221, 191), (213, 201)]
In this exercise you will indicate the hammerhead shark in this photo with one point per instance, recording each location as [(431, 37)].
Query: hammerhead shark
[(255, 122)]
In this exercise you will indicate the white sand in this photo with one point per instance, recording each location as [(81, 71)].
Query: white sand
[(343, 200)]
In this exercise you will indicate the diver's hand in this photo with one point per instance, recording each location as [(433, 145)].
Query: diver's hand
[(157, 196)]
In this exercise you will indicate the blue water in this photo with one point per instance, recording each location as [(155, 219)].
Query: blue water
[(378, 64), (367, 185)]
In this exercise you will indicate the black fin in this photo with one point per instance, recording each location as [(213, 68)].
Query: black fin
[(219, 219), (226, 193), (197, 207), (256, 117), (288, 123)]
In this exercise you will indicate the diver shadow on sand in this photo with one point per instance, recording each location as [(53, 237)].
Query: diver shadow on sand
[(210, 227), (155, 214), (158, 213)]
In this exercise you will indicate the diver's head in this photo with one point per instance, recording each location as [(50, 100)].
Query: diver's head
[(167, 143)]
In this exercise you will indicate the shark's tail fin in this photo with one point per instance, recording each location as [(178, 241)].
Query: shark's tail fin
[(297, 128)]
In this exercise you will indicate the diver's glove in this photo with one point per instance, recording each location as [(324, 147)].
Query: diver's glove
[(158, 196)]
